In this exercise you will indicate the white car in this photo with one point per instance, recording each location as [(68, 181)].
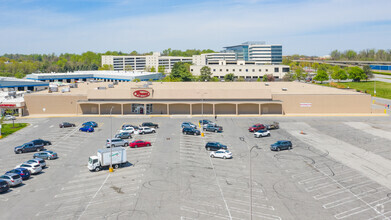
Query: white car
[(31, 167), (262, 133), (9, 117), (225, 154), (146, 130), (127, 129)]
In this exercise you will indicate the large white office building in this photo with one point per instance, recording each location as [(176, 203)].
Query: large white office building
[(250, 53)]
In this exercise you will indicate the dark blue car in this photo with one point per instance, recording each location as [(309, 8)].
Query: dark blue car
[(87, 129), (281, 145), (90, 123), (23, 172)]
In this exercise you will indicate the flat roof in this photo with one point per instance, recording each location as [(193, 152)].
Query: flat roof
[(201, 90)]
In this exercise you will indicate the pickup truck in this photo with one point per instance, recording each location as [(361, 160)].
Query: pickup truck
[(149, 124), (28, 147), (274, 125), (212, 128)]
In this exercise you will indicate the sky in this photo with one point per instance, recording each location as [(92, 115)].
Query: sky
[(308, 27)]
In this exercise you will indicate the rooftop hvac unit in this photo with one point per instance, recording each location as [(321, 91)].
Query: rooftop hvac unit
[(115, 83), (53, 89), (12, 93), (101, 88), (284, 89), (110, 86), (65, 90), (266, 84)]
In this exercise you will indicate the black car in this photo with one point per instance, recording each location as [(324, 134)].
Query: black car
[(213, 128), (66, 125), (149, 124), (4, 187), (281, 145), (41, 142), (191, 131), (123, 135), (214, 146), (28, 147)]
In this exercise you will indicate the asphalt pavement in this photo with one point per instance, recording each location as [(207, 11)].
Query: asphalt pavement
[(339, 168)]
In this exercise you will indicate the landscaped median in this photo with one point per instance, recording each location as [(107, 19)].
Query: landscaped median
[(8, 129), (383, 89)]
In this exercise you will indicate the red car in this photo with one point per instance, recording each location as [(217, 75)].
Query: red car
[(256, 128), (139, 143)]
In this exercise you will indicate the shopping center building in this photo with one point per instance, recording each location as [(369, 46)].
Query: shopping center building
[(198, 98)]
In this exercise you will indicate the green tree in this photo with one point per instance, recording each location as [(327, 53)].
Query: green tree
[(206, 74), (153, 69), (339, 74), (229, 77), (106, 67), (299, 73), (181, 71), (356, 74), (128, 68), (161, 69), (321, 76), (288, 77), (368, 72), (136, 80)]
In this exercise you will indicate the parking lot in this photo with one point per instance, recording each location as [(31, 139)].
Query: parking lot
[(339, 168)]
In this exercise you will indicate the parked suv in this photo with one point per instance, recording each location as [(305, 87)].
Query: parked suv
[(191, 131), (116, 142), (275, 125), (212, 128), (123, 135), (188, 125), (12, 179), (281, 145), (215, 146), (24, 173), (146, 130), (262, 133), (256, 127), (149, 124), (205, 122), (28, 147)]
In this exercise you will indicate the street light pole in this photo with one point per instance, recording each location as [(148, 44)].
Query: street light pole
[(251, 177), (374, 88), (111, 140)]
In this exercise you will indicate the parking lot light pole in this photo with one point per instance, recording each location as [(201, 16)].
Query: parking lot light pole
[(111, 140), (251, 177)]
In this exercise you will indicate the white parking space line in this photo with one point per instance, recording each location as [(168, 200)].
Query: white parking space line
[(364, 127), (372, 206), (326, 184), (339, 191), (199, 212), (258, 214), (314, 179), (85, 209)]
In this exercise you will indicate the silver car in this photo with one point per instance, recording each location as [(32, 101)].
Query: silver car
[(146, 130), (33, 168), (116, 142), (39, 161), (12, 179)]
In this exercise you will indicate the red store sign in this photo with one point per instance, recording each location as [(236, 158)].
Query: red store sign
[(7, 105), (141, 93)]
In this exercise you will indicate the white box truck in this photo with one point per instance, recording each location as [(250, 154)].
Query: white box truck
[(102, 159)]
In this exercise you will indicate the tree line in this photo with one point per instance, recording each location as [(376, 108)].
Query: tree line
[(19, 65), (362, 55)]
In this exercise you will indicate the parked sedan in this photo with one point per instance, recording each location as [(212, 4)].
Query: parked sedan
[(129, 126), (256, 127), (225, 154), (87, 129), (66, 125), (146, 130), (23, 172), (12, 179), (90, 123), (262, 133), (39, 141), (4, 186), (281, 145), (140, 143), (46, 155), (34, 169)]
